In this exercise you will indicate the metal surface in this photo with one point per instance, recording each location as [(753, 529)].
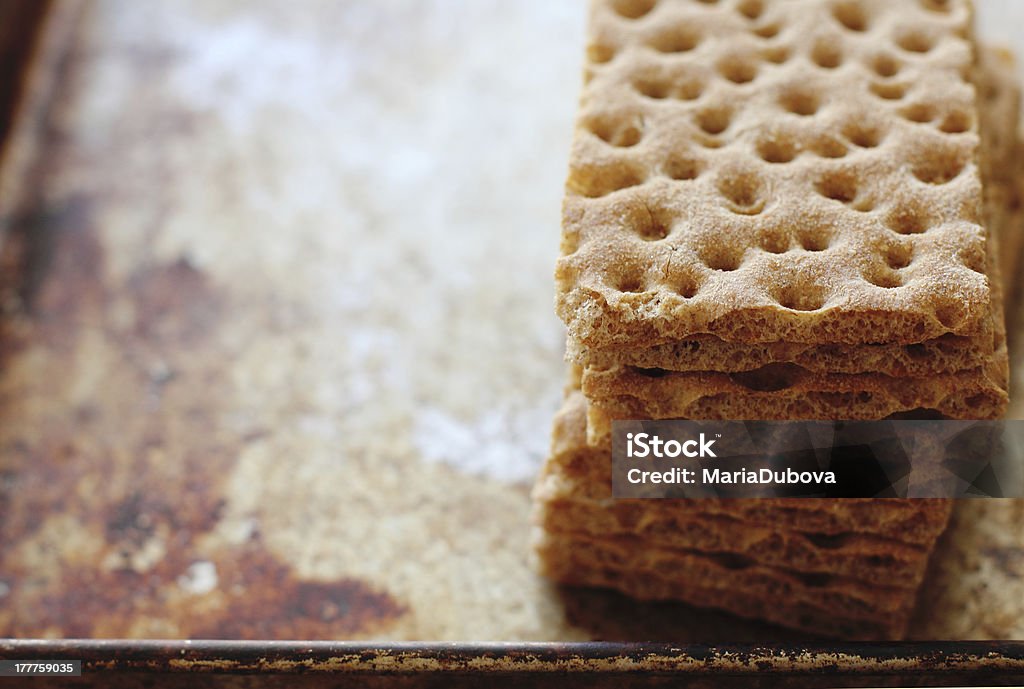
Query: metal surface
[(970, 663), (277, 357)]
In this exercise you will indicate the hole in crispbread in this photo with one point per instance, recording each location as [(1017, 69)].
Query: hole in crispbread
[(686, 286), (732, 561), (915, 41), (939, 166), (779, 148), (942, 6), (974, 259), (829, 147), (751, 9), (956, 122), (654, 225), (630, 284), (714, 120), (889, 91), (651, 372), (950, 316), (917, 351), (681, 168), (775, 242), (660, 86), (828, 541), (737, 69), (768, 30), (743, 191), (908, 219), (804, 297), (594, 181), (769, 378), (614, 131), (827, 54), (886, 66), (677, 39), (652, 88), (919, 112), (688, 89), (599, 53), (633, 9), (887, 278), (721, 257), (816, 239), (838, 185), (899, 256), (776, 54), (863, 134), (799, 101), (815, 580), (851, 15)]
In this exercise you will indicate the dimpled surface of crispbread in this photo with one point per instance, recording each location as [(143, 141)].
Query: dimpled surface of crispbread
[(761, 170)]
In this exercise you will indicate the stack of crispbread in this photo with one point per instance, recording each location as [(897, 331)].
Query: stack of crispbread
[(777, 209)]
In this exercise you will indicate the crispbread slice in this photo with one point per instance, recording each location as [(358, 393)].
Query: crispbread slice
[(708, 353), (912, 521), (816, 603), (564, 506), (753, 188), (1002, 166), (784, 391)]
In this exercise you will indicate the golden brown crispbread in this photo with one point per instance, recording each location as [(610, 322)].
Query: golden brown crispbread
[(589, 469), (567, 568), (1002, 166), (752, 178), (859, 556), (647, 572), (708, 353), (784, 391)]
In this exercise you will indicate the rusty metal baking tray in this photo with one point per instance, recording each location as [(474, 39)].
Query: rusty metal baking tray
[(277, 362)]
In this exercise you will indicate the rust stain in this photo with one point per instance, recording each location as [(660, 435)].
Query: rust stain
[(267, 601), (114, 456), (174, 303)]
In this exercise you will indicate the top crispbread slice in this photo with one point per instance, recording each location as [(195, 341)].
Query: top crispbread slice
[(749, 170)]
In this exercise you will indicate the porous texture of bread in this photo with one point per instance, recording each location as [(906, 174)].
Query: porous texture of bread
[(832, 567), (784, 598), (708, 353), (564, 507), (761, 175), (918, 521), (785, 391)]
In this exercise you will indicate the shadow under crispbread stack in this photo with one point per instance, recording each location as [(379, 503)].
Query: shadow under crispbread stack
[(783, 209)]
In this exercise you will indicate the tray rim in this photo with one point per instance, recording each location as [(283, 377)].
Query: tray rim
[(968, 660)]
